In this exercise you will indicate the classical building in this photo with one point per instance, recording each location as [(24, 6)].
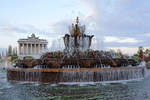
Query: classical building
[(32, 46)]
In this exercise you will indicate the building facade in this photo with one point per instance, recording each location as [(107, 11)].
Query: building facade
[(32, 46)]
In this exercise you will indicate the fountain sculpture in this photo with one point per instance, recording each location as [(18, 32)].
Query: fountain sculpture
[(77, 63)]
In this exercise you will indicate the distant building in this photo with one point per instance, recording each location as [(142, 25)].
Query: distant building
[(32, 46)]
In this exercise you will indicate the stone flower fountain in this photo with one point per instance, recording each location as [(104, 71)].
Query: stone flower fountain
[(77, 63)]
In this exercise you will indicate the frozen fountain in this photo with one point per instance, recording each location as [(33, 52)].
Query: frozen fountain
[(77, 63)]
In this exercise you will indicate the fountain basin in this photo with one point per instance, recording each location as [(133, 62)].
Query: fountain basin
[(74, 75)]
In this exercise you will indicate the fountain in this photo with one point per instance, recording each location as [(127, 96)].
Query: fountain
[(77, 63)]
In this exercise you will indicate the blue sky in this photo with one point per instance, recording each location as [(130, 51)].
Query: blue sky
[(120, 24)]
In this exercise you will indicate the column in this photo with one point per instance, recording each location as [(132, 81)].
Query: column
[(42, 46), (31, 49), (46, 46), (27, 49), (38, 48), (34, 49), (19, 49), (22, 48)]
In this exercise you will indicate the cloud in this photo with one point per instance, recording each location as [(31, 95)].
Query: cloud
[(125, 50), (115, 23), (10, 34), (146, 34), (120, 39), (24, 29), (12, 29), (119, 16), (126, 21), (60, 27)]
